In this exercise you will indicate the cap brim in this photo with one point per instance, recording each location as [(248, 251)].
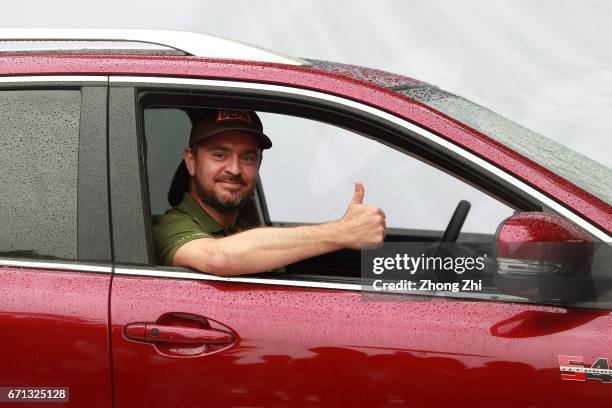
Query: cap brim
[(263, 140)]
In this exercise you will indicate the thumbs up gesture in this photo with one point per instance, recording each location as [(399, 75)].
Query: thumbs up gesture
[(359, 193), (362, 224)]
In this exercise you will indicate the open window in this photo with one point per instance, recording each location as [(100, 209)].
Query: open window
[(307, 176)]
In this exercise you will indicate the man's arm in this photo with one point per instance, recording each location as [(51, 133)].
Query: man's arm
[(263, 249)]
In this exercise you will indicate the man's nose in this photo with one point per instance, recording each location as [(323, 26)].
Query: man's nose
[(233, 165)]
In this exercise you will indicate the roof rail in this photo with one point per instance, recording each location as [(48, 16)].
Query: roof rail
[(196, 44)]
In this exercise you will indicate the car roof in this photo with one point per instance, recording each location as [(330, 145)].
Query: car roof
[(87, 41), (121, 41)]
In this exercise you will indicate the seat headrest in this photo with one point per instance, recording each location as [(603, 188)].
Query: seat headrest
[(179, 185)]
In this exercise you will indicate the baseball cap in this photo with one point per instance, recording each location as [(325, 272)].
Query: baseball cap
[(215, 121)]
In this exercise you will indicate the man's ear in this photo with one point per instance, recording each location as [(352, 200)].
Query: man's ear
[(190, 160)]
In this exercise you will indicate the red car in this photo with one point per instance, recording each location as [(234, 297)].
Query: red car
[(92, 126)]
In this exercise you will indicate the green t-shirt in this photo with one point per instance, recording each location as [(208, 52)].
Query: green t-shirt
[(184, 223)]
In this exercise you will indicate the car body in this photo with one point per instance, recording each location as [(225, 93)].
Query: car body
[(87, 307)]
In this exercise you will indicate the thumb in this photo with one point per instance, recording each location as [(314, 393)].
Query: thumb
[(358, 194)]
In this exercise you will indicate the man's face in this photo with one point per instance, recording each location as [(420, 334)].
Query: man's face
[(224, 168)]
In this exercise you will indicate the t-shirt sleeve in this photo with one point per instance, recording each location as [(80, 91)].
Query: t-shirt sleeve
[(172, 231)]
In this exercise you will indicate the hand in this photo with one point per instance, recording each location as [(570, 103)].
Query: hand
[(362, 224)]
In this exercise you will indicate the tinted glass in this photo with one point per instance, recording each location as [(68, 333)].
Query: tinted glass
[(39, 135), (167, 132), (574, 167)]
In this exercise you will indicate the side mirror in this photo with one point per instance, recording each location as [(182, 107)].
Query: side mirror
[(544, 258)]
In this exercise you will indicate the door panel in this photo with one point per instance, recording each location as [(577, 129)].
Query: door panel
[(54, 326), (302, 346), (54, 226), (231, 343)]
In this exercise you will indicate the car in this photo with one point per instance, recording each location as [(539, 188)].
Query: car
[(92, 128)]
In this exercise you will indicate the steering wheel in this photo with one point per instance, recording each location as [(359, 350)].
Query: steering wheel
[(450, 235), (456, 222)]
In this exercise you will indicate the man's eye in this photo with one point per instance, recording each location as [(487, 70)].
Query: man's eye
[(219, 155), (250, 159)]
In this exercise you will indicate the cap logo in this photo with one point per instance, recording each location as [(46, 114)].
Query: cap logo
[(230, 114)]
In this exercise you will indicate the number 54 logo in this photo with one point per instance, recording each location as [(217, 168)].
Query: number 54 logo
[(572, 369)]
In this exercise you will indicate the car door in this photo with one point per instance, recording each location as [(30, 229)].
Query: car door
[(55, 258), (185, 338)]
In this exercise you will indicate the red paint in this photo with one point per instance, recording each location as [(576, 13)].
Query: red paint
[(542, 179), (181, 342), (337, 348), (541, 227), (544, 237), (55, 333)]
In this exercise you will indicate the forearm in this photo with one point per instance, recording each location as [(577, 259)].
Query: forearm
[(263, 249)]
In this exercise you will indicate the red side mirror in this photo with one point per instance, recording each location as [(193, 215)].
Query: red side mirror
[(545, 258)]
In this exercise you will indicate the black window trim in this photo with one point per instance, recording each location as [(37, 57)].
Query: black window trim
[(169, 95), (90, 174), (391, 135)]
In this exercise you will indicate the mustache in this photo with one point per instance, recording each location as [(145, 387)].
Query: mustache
[(232, 179)]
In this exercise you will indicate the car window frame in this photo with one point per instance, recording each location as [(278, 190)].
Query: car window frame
[(93, 223), (239, 94)]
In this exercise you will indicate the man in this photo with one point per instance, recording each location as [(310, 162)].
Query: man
[(223, 159)]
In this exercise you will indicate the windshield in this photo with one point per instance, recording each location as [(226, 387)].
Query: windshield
[(587, 174)]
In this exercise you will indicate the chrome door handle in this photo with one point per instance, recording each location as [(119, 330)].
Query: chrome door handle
[(152, 332)]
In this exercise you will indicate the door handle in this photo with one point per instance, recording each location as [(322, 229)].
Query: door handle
[(152, 332)]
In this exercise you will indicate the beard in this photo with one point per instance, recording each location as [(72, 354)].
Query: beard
[(208, 195)]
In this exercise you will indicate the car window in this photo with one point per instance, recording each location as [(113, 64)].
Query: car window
[(39, 138), (308, 177), (319, 164), (167, 132)]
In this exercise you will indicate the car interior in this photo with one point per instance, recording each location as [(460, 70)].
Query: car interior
[(340, 266)]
